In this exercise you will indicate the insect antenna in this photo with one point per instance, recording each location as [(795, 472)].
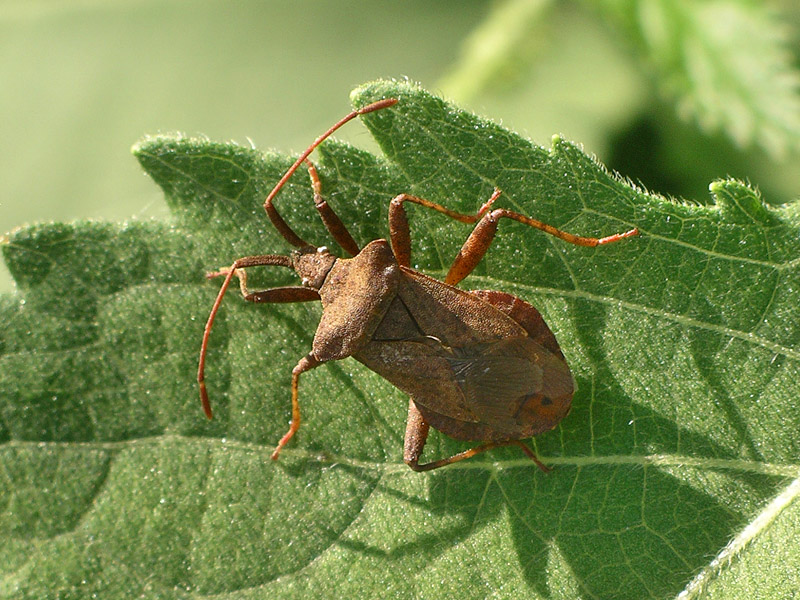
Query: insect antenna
[(277, 221), (248, 261)]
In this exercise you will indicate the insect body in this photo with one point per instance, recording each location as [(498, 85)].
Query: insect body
[(478, 365)]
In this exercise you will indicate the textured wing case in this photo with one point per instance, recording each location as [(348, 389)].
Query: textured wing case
[(479, 365)]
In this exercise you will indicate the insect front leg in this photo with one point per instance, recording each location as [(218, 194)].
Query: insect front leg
[(288, 294), (278, 295), (283, 228), (417, 434), (329, 218)]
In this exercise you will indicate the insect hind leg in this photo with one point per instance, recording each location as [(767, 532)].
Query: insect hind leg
[(417, 434)]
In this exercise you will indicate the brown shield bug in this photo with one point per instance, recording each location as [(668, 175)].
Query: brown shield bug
[(479, 365)]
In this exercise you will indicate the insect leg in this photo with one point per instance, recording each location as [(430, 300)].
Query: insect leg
[(331, 220), (400, 233), (235, 269), (290, 293), (417, 434), (283, 228), (481, 238), (306, 363)]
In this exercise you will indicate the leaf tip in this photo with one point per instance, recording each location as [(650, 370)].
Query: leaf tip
[(381, 89), (737, 198)]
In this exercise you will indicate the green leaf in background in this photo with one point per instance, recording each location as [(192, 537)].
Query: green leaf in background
[(676, 471), (726, 63)]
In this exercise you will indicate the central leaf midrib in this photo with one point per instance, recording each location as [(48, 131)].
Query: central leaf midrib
[(789, 471)]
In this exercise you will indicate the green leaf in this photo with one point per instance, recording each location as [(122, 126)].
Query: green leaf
[(726, 63), (493, 54), (677, 469)]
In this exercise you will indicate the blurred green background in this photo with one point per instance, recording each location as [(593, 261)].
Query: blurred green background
[(81, 81)]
